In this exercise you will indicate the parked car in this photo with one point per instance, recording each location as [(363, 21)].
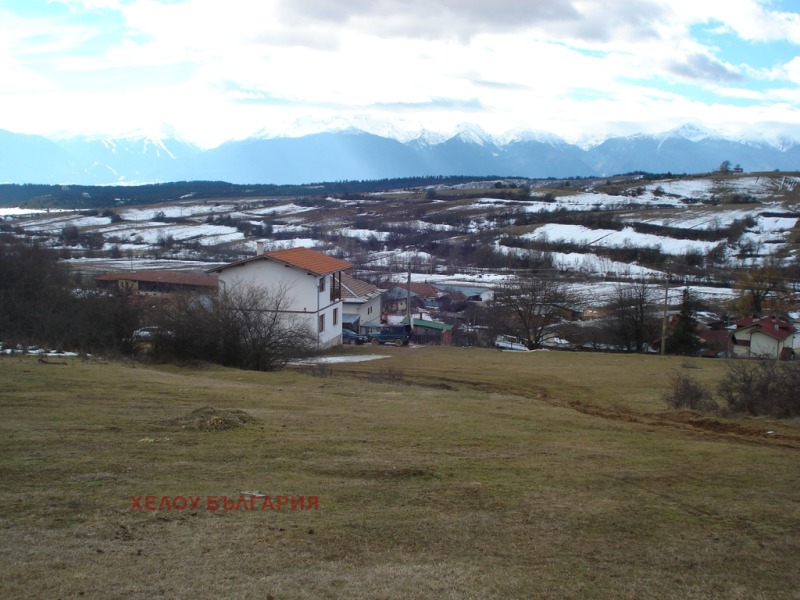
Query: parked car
[(150, 333), (510, 342), (351, 337), (399, 335)]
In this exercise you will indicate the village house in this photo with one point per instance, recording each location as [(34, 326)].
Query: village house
[(765, 337), (311, 280), (361, 302), (716, 343), (396, 300), (427, 296), (446, 296), (469, 292)]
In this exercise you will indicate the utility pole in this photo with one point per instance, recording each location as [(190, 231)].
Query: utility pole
[(664, 320), (408, 299), (410, 325)]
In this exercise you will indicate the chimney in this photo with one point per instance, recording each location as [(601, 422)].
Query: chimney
[(259, 248)]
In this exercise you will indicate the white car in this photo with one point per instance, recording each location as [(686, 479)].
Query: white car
[(510, 342), (150, 333)]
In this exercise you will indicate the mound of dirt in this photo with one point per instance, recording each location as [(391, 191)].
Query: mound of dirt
[(209, 418)]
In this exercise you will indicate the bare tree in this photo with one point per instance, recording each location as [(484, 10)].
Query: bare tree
[(531, 306), (633, 320), (761, 288), (247, 326)]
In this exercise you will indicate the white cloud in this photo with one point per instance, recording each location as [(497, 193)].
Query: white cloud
[(222, 70)]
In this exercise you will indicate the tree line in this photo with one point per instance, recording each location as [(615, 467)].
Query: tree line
[(88, 196)]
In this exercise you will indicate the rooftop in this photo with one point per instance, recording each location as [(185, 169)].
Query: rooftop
[(310, 260), (306, 259), (185, 278), (357, 290)]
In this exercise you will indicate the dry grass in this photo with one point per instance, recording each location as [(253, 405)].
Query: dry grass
[(477, 474)]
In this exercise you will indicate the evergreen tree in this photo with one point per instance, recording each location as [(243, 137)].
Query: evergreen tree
[(683, 338)]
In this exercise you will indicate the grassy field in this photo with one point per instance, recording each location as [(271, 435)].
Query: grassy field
[(440, 473)]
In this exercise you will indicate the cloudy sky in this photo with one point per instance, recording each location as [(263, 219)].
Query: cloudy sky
[(213, 70)]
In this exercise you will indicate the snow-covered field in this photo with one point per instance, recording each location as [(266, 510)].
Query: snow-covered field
[(700, 219), (329, 224), (577, 234), (155, 233)]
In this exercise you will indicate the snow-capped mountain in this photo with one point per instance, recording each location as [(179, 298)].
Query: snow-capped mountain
[(689, 131), (313, 151), (137, 156), (525, 135)]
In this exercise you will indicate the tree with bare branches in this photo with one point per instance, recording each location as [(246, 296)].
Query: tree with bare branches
[(633, 319), (761, 288), (246, 326), (531, 306)]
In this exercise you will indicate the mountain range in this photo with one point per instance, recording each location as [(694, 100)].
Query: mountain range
[(356, 154)]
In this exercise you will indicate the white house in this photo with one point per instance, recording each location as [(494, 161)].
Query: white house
[(362, 302), (766, 337), (311, 280)]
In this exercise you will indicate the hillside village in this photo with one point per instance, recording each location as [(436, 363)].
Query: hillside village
[(431, 259)]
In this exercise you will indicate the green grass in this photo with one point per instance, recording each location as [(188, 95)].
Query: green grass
[(477, 474)]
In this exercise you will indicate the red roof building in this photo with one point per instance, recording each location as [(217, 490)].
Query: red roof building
[(308, 284), (765, 337), (305, 259)]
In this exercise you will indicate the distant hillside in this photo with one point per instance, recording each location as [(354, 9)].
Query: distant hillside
[(87, 196)]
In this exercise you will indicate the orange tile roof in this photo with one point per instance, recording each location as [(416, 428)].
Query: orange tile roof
[(309, 260), (425, 290)]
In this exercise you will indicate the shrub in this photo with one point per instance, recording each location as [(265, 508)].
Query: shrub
[(763, 387), (686, 393), (247, 328)]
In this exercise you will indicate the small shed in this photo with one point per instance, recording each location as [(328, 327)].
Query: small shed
[(431, 332)]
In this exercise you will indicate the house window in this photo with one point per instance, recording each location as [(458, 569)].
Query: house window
[(369, 310), (335, 316), (321, 285), (321, 323)]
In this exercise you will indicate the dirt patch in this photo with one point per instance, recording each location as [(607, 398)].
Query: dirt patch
[(209, 418)]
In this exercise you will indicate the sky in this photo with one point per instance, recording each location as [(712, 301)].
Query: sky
[(208, 71)]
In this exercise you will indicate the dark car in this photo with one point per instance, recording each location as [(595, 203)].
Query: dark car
[(398, 335), (351, 337)]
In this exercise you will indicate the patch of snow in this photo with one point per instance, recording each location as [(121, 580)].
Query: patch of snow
[(294, 243), (289, 228), (599, 265), (15, 211), (364, 234), (400, 258), (351, 358), (611, 238), (687, 188), (175, 211), (420, 225)]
